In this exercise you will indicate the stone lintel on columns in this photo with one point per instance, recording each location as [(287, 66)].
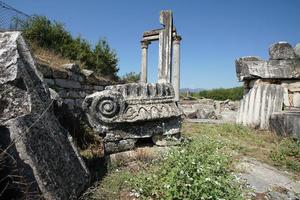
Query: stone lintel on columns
[(144, 44)]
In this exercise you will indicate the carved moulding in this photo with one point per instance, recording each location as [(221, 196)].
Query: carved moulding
[(122, 114)]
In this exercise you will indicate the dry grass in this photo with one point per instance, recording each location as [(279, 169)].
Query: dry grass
[(48, 57)]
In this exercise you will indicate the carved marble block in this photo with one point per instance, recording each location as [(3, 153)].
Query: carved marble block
[(122, 114)]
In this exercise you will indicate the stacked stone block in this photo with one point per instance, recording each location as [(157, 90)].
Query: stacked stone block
[(272, 90), (72, 83)]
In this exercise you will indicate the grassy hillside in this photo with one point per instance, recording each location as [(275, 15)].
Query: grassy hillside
[(48, 36)]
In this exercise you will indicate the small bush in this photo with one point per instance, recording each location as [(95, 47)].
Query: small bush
[(221, 94), (196, 171), (130, 77)]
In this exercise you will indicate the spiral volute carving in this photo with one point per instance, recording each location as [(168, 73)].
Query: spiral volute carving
[(105, 106), (108, 107)]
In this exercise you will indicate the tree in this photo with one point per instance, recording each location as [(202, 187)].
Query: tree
[(106, 59)]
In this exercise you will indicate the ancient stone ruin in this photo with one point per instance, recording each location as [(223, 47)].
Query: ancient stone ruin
[(272, 90), (169, 52), (45, 161), (125, 114)]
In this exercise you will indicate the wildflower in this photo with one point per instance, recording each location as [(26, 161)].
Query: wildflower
[(207, 179)]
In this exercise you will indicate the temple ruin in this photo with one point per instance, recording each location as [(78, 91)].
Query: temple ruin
[(272, 90), (124, 114), (169, 52)]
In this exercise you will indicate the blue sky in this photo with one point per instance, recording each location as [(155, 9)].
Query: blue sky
[(214, 33)]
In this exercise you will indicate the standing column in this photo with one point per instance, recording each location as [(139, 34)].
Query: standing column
[(176, 67), (165, 47), (143, 78)]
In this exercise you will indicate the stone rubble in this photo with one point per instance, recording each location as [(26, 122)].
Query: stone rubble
[(208, 109)]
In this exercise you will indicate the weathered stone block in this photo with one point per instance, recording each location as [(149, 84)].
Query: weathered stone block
[(63, 93), (74, 94), (64, 83), (59, 73), (98, 87), (50, 82), (121, 145), (74, 77), (281, 51), (272, 69), (286, 124), (87, 87), (296, 100), (43, 151), (45, 70)]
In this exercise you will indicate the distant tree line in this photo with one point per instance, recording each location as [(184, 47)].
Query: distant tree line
[(53, 36), (221, 94)]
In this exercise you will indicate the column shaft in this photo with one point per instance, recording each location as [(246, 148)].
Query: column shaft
[(176, 67), (143, 78)]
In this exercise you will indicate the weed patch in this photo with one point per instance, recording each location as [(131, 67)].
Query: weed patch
[(198, 170)]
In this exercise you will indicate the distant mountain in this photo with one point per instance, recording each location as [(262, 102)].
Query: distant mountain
[(192, 90)]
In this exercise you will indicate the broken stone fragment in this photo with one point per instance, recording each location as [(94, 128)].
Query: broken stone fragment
[(73, 67), (281, 51), (87, 72), (272, 69), (286, 124), (43, 151)]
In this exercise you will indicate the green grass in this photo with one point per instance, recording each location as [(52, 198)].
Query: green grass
[(265, 146), (201, 168)]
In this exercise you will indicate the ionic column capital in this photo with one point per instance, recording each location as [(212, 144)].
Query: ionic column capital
[(177, 39), (144, 44)]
